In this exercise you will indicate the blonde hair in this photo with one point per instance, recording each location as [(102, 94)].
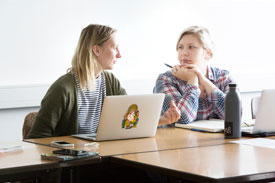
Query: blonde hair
[(203, 36), (84, 63)]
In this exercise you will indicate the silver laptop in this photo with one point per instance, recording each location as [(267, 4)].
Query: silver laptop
[(265, 116), (128, 116)]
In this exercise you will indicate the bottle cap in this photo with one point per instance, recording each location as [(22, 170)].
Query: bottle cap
[(232, 85)]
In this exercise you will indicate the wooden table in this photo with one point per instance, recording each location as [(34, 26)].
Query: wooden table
[(219, 163), (26, 163), (190, 155), (165, 139)]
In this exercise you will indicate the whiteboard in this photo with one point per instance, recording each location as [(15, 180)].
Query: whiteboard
[(38, 38)]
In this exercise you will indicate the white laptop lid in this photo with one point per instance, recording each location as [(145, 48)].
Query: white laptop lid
[(128, 116), (265, 117)]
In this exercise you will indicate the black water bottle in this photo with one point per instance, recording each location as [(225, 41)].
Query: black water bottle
[(232, 113)]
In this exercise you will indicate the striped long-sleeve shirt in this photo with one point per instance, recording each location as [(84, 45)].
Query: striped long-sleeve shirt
[(89, 104), (187, 96)]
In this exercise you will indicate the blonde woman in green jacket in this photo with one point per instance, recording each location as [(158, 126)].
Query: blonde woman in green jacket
[(73, 103)]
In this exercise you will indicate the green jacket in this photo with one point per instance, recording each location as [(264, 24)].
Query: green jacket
[(58, 112)]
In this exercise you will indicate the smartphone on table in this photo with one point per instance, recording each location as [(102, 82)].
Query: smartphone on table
[(70, 152), (62, 144)]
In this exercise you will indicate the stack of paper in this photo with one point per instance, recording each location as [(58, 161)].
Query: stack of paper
[(261, 142), (10, 147)]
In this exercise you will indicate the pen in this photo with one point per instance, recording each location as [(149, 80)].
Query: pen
[(197, 130), (168, 65)]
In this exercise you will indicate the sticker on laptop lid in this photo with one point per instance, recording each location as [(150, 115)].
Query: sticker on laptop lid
[(131, 117)]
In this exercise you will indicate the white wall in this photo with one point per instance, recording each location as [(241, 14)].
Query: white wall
[(38, 37)]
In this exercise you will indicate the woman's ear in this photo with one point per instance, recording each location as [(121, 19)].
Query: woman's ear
[(208, 54), (96, 50)]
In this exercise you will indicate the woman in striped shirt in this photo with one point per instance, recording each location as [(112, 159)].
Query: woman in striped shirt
[(197, 89), (73, 103)]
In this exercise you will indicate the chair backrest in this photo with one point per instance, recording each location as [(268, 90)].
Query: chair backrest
[(28, 123), (254, 106)]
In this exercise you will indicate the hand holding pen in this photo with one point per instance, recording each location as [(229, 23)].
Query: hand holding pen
[(189, 77), (173, 70)]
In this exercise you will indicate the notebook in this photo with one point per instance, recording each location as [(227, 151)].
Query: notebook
[(265, 116), (127, 116), (211, 125)]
